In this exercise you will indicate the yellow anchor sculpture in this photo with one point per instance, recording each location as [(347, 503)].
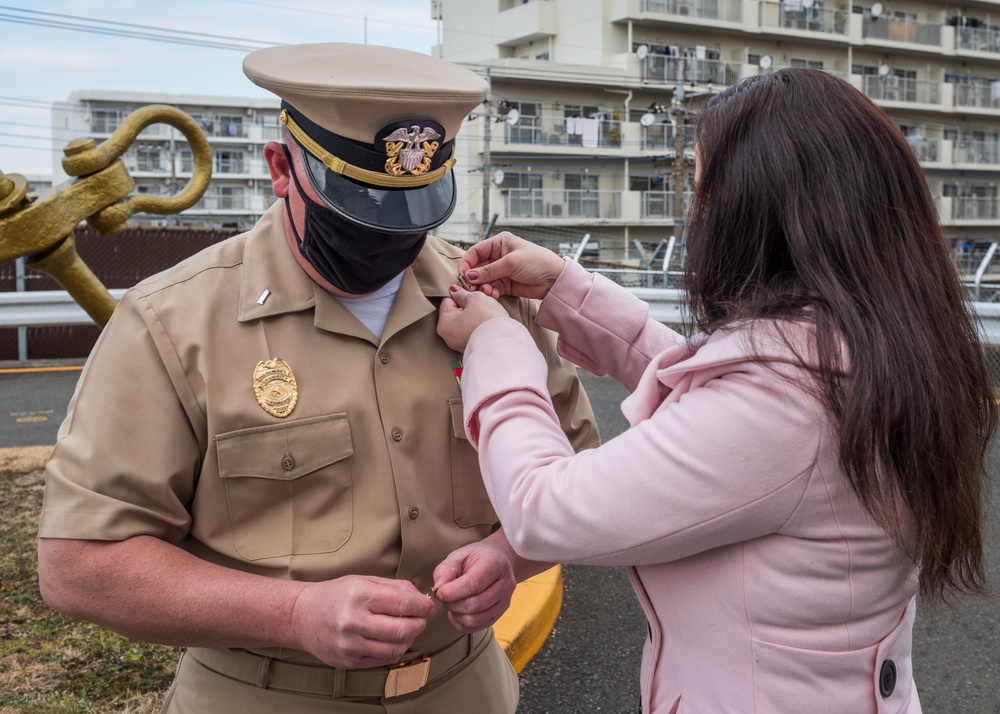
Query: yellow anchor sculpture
[(40, 227)]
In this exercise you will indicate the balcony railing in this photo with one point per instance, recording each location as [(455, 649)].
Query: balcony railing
[(670, 70), (240, 202), (974, 208), (561, 203), (789, 16), (977, 39), (899, 30), (969, 151), (981, 95), (727, 10), (659, 204), (927, 150), (902, 89), (557, 130)]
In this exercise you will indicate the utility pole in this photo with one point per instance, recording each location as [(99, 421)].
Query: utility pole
[(680, 163), (487, 130)]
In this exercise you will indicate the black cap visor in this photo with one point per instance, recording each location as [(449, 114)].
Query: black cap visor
[(389, 210)]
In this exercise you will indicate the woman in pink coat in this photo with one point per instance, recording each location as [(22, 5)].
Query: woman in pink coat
[(797, 470)]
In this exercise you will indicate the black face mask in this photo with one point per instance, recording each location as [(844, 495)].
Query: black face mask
[(356, 260)]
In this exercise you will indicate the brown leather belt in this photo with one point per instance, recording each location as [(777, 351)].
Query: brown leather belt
[(392, 681)]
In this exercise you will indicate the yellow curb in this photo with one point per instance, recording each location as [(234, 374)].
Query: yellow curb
[(533, 610)]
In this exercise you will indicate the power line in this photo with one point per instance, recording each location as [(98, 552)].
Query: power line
[(110, 28)]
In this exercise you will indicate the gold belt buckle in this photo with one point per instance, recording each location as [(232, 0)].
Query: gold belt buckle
[(407, 677)]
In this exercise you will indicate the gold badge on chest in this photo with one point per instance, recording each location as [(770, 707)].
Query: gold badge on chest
[(275, 388)]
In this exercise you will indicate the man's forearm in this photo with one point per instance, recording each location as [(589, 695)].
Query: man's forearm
[(150, 590)]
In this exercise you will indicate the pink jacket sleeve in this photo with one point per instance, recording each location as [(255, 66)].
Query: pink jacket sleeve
[(602, 326), (728, 460)]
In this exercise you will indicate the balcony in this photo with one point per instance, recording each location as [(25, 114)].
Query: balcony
[(243, 203), (978, 95), (902, 89), (527, 22), (967, 151), (725, 10), (793, 16), (561, 203), (977, 39), (899, 30), (556, 130), (671, 70), (972, 208), (659, 204)]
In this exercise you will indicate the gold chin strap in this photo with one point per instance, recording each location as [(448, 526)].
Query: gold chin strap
[(338, 165)]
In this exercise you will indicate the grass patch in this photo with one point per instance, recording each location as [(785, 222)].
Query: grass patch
[(50, 664)]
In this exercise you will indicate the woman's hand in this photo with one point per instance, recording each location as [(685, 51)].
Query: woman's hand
[(462, 313), (508, 265)]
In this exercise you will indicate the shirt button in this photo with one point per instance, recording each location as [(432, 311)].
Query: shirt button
[(397, 434), (288, 463), (383, 357), (414, 512)]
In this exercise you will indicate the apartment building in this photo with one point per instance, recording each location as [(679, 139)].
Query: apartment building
[(588, 127), (160, 160), (602, 94)]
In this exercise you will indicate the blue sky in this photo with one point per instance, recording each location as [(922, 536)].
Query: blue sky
[(43, 64)]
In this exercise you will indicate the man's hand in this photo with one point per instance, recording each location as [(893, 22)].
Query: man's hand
[(359, 621), (475, 583), (460, 314)]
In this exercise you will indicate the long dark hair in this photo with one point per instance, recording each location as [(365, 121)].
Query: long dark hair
[(811, 206)]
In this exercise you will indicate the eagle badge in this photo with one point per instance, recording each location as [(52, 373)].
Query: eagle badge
[(410, 150)]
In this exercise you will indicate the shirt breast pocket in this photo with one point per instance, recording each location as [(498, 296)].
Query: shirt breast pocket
[(471, 503), (289, 487)]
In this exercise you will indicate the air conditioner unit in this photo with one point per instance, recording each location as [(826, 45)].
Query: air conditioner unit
[(555, 209)]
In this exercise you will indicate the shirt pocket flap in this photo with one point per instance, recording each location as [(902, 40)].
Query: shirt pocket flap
[(284, 452)]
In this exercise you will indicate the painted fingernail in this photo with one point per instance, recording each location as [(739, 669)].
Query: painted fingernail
[(454, 288), (472, 275)]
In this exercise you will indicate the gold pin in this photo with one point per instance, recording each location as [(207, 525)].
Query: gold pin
[(275, 387), (464, 282)]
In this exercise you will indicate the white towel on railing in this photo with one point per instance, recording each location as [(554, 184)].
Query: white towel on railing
[(590, 132)]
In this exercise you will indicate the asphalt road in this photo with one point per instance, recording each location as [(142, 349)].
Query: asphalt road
[(590, 662)]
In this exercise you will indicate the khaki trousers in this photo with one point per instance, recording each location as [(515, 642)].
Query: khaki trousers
[(484, 683)]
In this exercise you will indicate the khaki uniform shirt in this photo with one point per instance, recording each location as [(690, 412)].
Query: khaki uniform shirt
[(371, 473)]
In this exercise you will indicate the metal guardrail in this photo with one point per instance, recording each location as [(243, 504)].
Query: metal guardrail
[(56, 307)]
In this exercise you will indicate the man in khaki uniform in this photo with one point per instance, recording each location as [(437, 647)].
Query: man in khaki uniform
[(265, 459)]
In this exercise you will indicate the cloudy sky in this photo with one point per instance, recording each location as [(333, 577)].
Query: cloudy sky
[(51, 48)]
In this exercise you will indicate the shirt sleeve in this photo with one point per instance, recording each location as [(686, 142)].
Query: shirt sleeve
[(726, 461), (126, 456)]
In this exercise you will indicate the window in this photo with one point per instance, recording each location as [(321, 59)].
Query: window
[(808, 63), (147, 158), (523, 195), (582, 198), (231, 125), (105, 121), (528, 129), (230, 196), (229, 162)]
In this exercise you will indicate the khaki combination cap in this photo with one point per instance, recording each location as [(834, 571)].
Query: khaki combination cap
[(377, 126)]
